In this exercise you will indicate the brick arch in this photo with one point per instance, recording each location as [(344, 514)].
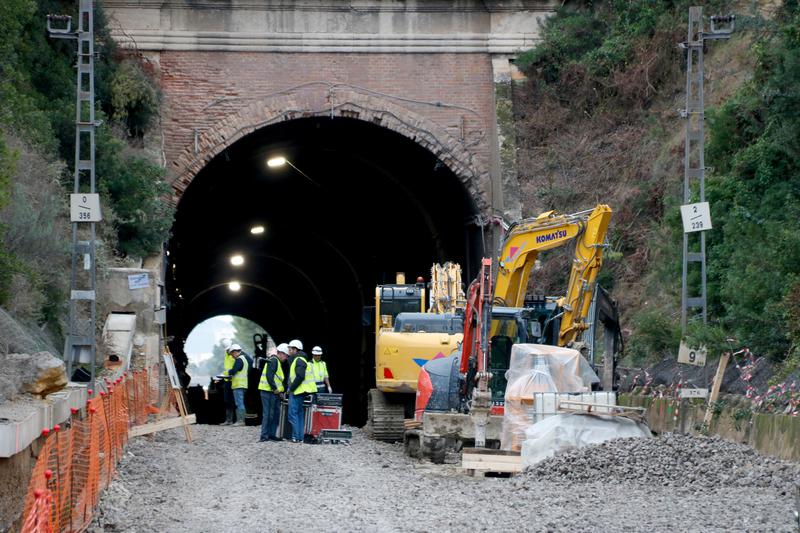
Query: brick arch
[(327, 102)]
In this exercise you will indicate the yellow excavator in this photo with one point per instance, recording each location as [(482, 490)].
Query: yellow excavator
[(406, 337), (416, 338)]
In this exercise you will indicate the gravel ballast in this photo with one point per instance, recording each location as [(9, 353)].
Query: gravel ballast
[(672, 460), (226, 481)]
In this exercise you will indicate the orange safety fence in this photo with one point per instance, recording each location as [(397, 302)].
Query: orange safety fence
[(78, 458)]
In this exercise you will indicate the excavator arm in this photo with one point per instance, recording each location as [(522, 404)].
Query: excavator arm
[(583, 275), (525, 240)]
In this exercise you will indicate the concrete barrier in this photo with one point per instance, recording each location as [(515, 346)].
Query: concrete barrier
[(24, 421)]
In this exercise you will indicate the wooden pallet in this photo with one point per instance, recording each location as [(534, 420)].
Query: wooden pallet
[(410, 423), (479, 462)]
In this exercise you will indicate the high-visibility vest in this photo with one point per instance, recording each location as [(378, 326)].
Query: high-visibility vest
[(227, 364), (239, 380), (320, 371), (308, 385), (264, 383)]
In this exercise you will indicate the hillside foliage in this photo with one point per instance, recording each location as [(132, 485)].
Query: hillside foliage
[(37, 144), (597, 123)]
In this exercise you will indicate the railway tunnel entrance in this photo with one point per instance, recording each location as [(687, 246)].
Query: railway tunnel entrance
[(352, 204)]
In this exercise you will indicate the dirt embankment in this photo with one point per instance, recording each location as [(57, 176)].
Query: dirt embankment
[(226, 481)]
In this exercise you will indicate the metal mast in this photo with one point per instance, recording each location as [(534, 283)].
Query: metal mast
[(694, 150), (80, 346)]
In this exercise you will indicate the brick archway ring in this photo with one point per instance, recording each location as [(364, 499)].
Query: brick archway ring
[(327, 103)]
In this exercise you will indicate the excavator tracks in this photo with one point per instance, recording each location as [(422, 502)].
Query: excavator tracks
[(384, 419)]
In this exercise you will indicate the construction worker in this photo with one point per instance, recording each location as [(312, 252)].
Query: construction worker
[(271, 387), (238, 375), (227, 393), (301, 384), (320, 370)]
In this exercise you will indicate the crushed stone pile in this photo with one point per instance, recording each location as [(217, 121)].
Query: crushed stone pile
[(671, 460)]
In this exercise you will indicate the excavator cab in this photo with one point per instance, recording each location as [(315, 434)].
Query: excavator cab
[(510, 325)]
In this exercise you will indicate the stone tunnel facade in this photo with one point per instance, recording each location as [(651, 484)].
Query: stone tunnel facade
[(434, 71)]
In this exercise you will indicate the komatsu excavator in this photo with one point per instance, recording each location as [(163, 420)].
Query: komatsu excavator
[(514, 319)]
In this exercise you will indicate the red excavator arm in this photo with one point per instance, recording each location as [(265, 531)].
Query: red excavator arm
[(477, 319)]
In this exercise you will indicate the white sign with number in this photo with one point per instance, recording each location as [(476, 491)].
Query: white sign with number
[(85, 208), (692, 356), (694, 393), (138, 281), (696, 217), (171, 371)]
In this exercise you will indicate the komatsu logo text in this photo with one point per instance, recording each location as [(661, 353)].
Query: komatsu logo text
[(559, 234)]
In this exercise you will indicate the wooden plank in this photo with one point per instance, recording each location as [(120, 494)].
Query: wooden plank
[(500, 459), (723, 362), (490, 467), (480, 460), (487, 451), (166, 423), (184, 414)]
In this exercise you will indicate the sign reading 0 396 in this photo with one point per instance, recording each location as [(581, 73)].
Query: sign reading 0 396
[(85, 207)]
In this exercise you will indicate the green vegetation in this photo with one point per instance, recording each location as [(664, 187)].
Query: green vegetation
[(615, 53), (604, 84), (244, 330), (213, 366), (755, 196), (37, 113)]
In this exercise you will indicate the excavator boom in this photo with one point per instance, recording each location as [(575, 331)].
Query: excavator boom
[(525, 240)]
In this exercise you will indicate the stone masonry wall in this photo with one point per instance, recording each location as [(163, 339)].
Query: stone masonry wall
[(770, 434), (444, 101)]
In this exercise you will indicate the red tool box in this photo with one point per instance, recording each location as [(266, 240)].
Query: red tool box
[(325, 417)]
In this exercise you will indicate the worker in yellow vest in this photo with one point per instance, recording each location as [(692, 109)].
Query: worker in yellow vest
[(320, 371), (238, 374), (271, 388), (227, 393), (301, 384)]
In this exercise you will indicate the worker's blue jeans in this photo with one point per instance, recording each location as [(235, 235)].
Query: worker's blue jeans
[(296, 415), (271, 404), (238, 396)]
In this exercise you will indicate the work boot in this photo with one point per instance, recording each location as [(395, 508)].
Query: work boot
[(239, 418), (228, 418)]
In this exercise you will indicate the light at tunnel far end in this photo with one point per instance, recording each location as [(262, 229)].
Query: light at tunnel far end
[(235, 286)]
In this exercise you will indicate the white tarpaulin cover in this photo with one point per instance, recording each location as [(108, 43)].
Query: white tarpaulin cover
[(575, 430), (536, 368)]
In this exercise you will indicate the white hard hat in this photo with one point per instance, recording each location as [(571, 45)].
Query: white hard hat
[(316, 350), (234, 347), (283, 347), (296, 344), (226, 343)]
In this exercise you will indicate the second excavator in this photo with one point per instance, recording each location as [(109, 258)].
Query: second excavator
[(515, 318)]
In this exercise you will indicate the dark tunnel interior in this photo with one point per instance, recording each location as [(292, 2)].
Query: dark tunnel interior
[(356, 204)]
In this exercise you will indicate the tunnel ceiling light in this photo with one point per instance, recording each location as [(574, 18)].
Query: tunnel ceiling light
[(273, 162), (257, 230), (235, 286), (237, 260), (279, 161)]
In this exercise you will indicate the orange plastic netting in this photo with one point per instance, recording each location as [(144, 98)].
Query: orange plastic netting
[(78, 458)]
